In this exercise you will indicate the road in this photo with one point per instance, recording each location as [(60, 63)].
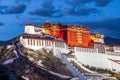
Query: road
[(72, 69)]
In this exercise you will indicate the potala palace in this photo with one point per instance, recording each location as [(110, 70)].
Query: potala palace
[(88, 49)]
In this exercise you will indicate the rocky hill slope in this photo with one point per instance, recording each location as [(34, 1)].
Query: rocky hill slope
[(33, 65)]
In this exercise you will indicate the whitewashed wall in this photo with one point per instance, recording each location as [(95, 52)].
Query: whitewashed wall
[(98, 60), (62, 49), (114, 65), (30, 29), (91, 59), (35, 47)]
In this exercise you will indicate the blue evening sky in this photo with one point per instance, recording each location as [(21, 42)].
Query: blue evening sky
[(101, 16)]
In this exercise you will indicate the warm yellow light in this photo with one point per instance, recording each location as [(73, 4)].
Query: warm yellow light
[(46, 31), (93, 38)]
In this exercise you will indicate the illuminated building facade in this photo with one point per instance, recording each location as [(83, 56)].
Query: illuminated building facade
[(83, 36), (72, 35), (67, 38), (78, 36), (55, 31), (98, 38)]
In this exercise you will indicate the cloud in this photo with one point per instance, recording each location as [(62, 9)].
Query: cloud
[(77, 2), (79, 8), (42, 12), (100, 3), (1, 24), (22, 1), (80, 11), (47, 10), (108, 24), (17, 9)]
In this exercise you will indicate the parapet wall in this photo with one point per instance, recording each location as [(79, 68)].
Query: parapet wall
[(98, 60)]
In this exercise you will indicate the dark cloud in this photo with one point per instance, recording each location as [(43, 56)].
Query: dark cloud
[(109, 27), (43, 12), (1, 24), (40, 12), (86, 11), (100, 3), (78, 8), (69, 11), (108, 24), (22, 1), (81, 11), (17, 9), (113, 24), (77, 2), (47, 10), (47, 5)]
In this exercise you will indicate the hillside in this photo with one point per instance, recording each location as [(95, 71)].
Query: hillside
[(45, 58), (28, 66), (7, 74)]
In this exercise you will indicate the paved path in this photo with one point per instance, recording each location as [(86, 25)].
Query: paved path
[(72, 69), (12, 59)]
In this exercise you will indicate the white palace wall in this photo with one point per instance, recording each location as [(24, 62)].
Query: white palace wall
[(97, 59), (37, 44), (31, 29)]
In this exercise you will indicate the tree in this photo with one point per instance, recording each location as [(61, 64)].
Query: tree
[(55, 64), (2, 49)]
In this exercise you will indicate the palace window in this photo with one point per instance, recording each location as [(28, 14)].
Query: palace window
[(28, 42), (31, 41)]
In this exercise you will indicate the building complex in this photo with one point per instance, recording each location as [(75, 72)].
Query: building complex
[(89, 49)]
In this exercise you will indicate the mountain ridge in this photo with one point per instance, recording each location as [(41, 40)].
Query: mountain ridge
[(7, 42), (112, 41)]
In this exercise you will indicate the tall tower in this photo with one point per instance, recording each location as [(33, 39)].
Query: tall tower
[(83, 36), (71, 35), (78, 36)]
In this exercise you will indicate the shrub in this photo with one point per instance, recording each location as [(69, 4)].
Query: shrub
[(2, 49)]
